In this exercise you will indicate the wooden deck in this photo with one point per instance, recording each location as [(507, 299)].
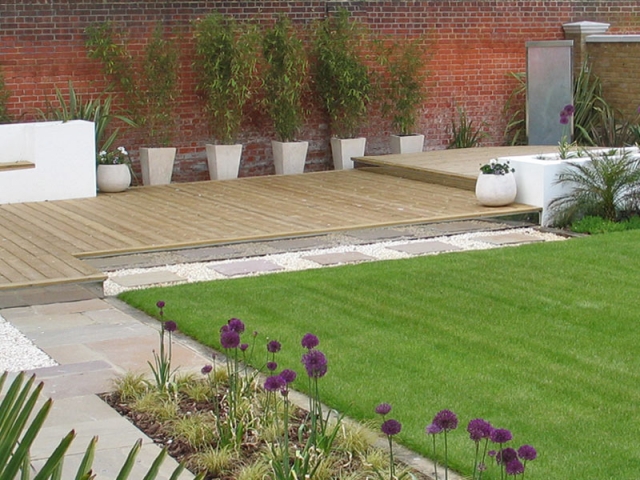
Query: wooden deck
[(42, 244)]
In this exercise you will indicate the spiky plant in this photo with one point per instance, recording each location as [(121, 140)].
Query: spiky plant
[(604, 187)]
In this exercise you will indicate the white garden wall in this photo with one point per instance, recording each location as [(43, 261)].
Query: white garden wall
[(63, 158)]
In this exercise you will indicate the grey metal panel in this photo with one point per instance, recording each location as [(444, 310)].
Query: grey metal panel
[(549, 89)]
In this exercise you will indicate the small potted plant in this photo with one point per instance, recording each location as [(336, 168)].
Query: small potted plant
[(225, 63), (403, 89), (496, 184), (343, 84), (114, 170), (284, 75)]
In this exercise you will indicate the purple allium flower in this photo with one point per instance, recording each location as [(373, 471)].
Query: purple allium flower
[(527, 452), (244, 346), (170, 326), (568, 110), (482, 467), (315, 363), (383, 409), (288, 375), (255, 333), (446, 420), (500, 435), (274, 346), (492, 453), (310, 341), (391, 427), (236, 325), (514, 467), (564, 119), (225, 328), (479, 429), (160, 304), (271, 366), (506, 455), (229, 339), (273, 383), (206, 369), (433, 429)]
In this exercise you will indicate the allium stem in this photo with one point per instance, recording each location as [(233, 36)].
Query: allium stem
[(435, 462), (392, 466), (446, 457), (475, 463)]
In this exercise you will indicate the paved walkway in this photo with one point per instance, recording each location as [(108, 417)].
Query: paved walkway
[(93, 342)]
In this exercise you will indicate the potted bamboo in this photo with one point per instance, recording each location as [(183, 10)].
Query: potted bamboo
[(403, 89), (343, 84), (284, 75), (225, 64)]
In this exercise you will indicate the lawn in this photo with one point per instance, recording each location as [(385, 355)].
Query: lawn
[(540, 339)]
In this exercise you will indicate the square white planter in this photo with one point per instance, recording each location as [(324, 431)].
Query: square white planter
[(536, 177), (224, 161), (344, 149), (289, 158), (407, 143), (157, 165)]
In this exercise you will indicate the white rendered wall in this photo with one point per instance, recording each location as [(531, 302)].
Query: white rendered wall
[(64, 159)]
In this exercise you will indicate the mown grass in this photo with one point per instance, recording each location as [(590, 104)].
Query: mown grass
[(541, 339)]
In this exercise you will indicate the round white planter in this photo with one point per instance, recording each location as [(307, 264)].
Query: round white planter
[(113, 178), (496, 190)]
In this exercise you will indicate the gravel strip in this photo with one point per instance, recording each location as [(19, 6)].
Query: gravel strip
[(18, 353)]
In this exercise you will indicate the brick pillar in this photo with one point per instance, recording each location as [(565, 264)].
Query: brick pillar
[(578, 32)]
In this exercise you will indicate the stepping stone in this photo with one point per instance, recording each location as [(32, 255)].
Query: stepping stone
[(338, 258), (420, 248), (376, 234), (508, 239), (150, 278), (246, 267)]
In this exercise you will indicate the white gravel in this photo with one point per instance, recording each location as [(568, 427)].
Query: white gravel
[(17, 352)]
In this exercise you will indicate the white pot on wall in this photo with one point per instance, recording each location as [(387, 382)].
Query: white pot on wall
[(407, 143), (223, 161), (157, 165), (289, 157), (344, 149)]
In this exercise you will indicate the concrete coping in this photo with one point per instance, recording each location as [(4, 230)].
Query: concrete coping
[(613, 39), (585, 28)]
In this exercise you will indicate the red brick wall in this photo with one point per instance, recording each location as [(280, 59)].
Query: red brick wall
[(475, 45)]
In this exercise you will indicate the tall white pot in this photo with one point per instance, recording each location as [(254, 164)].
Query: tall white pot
[(496, 190), (289, 157), (223, 161), (407, 143), (157, 165), (344, 149)]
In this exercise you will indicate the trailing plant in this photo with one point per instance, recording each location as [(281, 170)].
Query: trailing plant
[(515, 133), (464, 133), (404, 90), (20, 425), (97, 110), (118, 156), (340, 75), (496, 168), (225, 64), (606, 186), (150, 84), (4, 98), (284, 78)]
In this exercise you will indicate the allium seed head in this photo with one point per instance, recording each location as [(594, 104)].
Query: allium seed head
[(383, 409), (310, 341), (391, 427)]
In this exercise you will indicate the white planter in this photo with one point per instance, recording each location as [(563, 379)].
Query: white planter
[(113, 178), (223, 161), (344, 149), (289, 157), (496, 190), (157, 165), (407, 143)]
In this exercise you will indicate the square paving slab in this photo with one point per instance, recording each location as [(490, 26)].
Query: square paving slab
[(149, 278), (338, 258), (246, 267), (422, 248), (508, 239)]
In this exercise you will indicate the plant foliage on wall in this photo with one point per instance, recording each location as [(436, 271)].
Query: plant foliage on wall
[(4, 99)]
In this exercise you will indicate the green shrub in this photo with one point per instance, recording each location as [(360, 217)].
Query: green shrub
[(4, 98), (594, 225)]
